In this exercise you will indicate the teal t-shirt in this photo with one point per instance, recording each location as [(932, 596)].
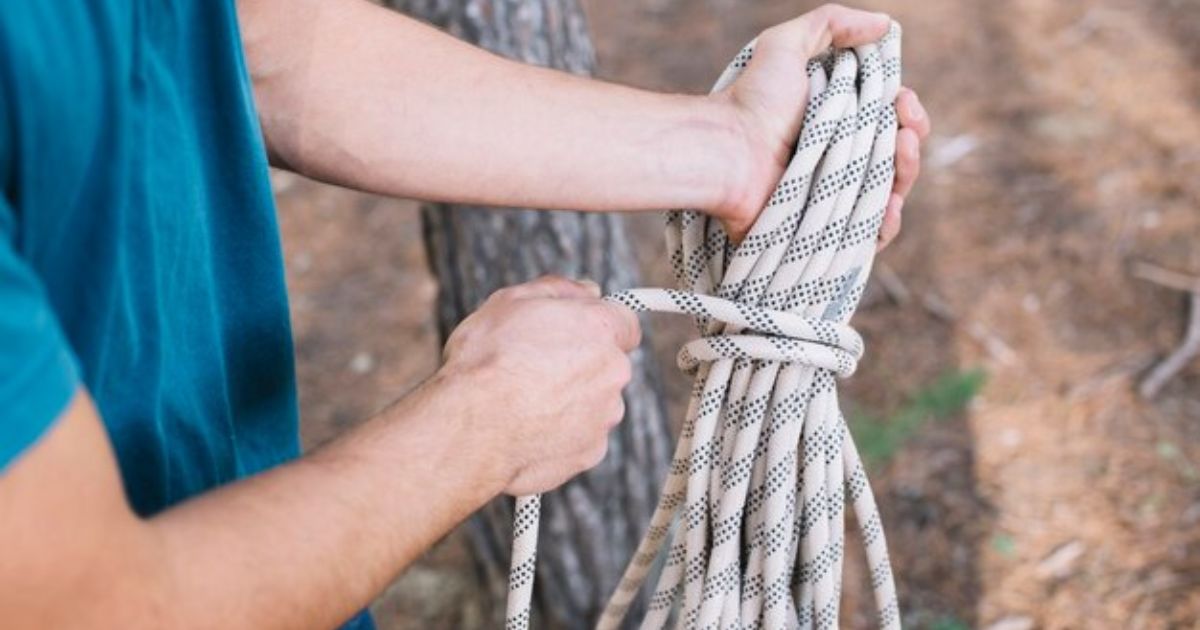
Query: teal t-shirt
[(139, 251)]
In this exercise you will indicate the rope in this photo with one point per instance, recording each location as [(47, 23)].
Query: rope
[(764, 465)]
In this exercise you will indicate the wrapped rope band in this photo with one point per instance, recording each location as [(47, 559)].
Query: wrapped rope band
[(765, 462)]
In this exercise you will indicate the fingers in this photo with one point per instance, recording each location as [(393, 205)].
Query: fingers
[(737, 229), (616, 414), (891, 221), (552, 286), (619, 320), (623, 323), (908, 161), (912, 113), (914, 127), (833, 24)]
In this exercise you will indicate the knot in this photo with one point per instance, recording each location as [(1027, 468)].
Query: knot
[(762, 334)]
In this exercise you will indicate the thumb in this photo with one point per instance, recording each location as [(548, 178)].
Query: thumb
[(811, 33)]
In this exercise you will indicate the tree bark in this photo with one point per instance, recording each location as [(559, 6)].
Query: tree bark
[(590, 526)]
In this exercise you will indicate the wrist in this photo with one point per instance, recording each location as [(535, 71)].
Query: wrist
[(466, 412), (702, 157), (732, 171), (741, 171), (440, 429)]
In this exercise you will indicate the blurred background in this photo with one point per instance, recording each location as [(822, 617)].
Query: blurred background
[(1024, 480)]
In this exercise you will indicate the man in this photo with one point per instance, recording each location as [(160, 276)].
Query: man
[(147, 399)]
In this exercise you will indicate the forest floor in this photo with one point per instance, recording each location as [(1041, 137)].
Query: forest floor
[(1066, 148)]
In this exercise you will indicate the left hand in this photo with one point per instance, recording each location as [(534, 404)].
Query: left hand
[(763, 101)]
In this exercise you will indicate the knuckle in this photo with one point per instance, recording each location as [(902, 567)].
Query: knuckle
[(623, 372), (563, 286), (454, 341), (912, 150), (450, 350), (828, 12), (596, 455), (904, 164), (504, 294), (618, 413), (595, 321), (598, 313), (635, 326), (617, 326), (549, 278), (623, 323), (461, 335), (915, 170)]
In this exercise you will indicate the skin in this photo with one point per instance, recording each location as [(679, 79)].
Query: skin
[(530, 384)]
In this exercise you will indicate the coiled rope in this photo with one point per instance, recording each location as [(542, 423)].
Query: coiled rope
[(765, 461)]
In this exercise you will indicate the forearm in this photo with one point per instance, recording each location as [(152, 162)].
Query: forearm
[(304, 545), (361, 96), (309, 543)]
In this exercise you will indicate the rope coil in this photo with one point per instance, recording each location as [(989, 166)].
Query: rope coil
[(752, 512)]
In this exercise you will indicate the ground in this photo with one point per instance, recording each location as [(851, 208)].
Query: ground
[(1066, 143)]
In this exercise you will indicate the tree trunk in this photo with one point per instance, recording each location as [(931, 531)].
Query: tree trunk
[(590, 526)]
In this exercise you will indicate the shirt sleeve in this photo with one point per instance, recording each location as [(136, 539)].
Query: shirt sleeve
[(38, 373)]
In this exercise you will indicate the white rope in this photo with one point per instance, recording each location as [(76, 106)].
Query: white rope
[(764, 464)]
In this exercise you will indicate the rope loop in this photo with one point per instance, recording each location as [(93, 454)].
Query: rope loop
[(780, 336)]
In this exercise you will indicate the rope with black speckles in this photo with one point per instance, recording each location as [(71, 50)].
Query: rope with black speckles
[(752, 512)]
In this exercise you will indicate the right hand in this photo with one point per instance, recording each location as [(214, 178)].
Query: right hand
[(544, 364)]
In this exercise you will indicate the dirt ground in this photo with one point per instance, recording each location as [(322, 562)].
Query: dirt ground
[(1066, 147)]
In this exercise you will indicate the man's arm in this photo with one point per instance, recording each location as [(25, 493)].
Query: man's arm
[(529, 389), (355, 94), (360, 95)]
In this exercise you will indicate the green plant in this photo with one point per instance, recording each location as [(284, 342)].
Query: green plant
[(1004, 545), (879, 439)]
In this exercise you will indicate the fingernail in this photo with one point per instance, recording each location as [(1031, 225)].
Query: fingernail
[(896, 203), (913, 105), (591, 286)]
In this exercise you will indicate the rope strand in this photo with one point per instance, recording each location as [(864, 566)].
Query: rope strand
[(765, 462)]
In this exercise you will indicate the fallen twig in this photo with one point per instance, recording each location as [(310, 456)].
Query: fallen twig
[(892, 284), (1189, 348), (1164, 277), (939, 308), (1174, 362), (1121, 370), (996, 347)]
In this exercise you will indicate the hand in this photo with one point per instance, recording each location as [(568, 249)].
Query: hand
[(767, 105), (545, 363)]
